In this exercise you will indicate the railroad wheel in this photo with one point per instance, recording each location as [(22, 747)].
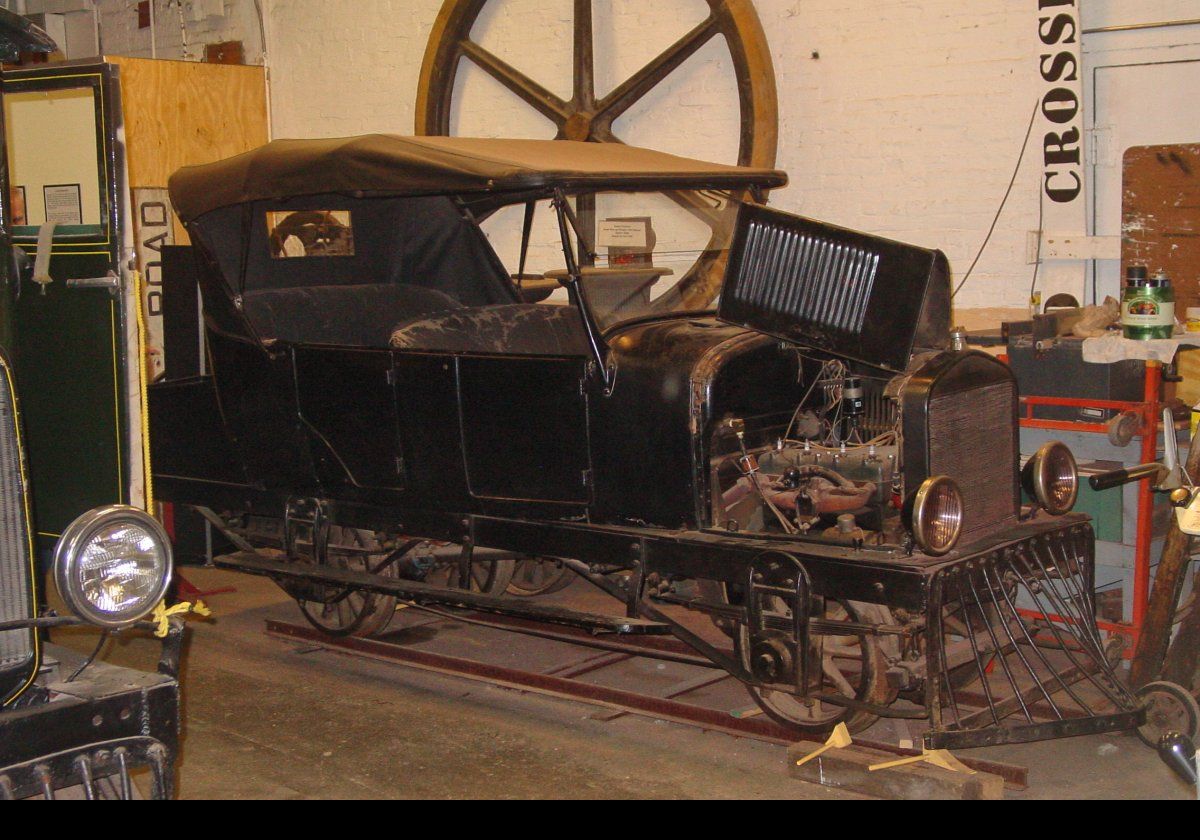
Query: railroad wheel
[(1170, 708), (539, 576), (351, 612), (490, 577), (959, 624), (850, 665)]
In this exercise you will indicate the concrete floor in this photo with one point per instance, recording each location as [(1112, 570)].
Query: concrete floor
[(272, 719)]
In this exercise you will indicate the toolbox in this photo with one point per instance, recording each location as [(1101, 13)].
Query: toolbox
[(1055, 368)]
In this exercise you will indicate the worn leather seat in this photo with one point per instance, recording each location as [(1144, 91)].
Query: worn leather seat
[(533, 329), (352, 315)]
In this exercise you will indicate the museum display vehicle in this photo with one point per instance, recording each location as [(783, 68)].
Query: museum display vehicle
[(755, 431)]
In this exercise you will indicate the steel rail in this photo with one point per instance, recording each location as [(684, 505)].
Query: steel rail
[(662, 708)]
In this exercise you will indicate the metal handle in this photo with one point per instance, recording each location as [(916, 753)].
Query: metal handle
[(1115, 478), (109, 281)]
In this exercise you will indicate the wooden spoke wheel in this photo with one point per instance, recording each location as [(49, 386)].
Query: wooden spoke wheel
[(588, 117), (850, 665), (539, 576), (351, 612), (491, 577)]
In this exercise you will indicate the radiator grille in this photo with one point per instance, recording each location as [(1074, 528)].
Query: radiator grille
[(972, 440), (816, 279), (16, 646)]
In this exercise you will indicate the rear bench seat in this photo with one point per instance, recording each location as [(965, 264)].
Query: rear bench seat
[(354, 315), (528, 328)]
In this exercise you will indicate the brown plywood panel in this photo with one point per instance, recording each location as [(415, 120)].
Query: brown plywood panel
[(179, 113), (1161, 215)]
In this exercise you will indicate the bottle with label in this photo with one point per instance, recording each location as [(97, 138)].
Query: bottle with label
[(1148, 305)]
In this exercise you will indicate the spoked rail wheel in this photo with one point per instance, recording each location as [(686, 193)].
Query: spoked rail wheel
[(539, 576), (352, 612), (1170, 708), (851, 665)]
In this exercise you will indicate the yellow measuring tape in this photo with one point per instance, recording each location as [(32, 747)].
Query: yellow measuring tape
[(144, 389), (162, 613)]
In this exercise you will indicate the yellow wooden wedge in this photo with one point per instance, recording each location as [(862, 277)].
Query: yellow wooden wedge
[(938, 758), (839, 740)]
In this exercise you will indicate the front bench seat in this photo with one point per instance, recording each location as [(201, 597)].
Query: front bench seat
[(518, 328), (360, 315)]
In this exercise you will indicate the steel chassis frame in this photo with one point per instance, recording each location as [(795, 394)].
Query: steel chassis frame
[(761, 564), (108, 722)]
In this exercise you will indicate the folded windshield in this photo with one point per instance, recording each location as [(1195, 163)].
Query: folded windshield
[(640, 254)]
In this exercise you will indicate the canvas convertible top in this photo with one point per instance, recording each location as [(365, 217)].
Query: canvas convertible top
[(385, 164)]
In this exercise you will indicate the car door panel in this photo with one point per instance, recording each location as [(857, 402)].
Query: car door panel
[(347, 400), (524, 428)]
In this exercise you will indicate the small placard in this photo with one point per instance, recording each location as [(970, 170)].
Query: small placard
[(63, 203), (623, 233)]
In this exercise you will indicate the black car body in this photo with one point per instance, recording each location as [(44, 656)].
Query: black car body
[(383, 415)]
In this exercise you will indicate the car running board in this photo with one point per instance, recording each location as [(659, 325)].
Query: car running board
[(422, 593)]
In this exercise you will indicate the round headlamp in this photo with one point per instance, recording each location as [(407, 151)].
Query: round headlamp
[(113, 565), (935, 515), (1051, 478)]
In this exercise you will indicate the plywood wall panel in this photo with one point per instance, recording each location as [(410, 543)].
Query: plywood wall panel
[(179, 113)]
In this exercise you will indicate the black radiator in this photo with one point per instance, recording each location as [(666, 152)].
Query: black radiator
[(18, 648), (848, 293), (960, 420)]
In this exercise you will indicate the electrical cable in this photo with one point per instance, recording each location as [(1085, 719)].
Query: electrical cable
[(1003, 201), (262, 29), (1037, 260), (88, 662)]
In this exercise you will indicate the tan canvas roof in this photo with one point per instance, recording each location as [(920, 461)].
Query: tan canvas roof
[(392, 165)]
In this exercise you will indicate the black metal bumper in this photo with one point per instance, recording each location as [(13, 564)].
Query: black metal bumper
[(93, 733), (1019, 622)]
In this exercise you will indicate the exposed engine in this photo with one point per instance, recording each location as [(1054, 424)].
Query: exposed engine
[(833, 473)]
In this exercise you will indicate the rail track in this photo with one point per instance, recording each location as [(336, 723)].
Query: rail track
[(583, 671)]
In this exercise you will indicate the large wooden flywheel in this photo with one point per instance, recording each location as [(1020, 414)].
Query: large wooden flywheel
[(585, 116)]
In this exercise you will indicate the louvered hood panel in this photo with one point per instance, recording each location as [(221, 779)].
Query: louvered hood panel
[(848, 293)]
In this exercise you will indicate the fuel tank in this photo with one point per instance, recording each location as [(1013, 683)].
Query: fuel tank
[(675, 380)]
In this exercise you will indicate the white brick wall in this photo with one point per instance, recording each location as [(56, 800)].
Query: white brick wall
[(182, 27), (908, 124)]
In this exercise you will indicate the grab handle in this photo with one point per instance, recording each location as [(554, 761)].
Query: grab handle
[(1115, 478)]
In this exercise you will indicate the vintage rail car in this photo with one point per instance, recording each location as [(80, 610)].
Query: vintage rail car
[(774, 430)]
